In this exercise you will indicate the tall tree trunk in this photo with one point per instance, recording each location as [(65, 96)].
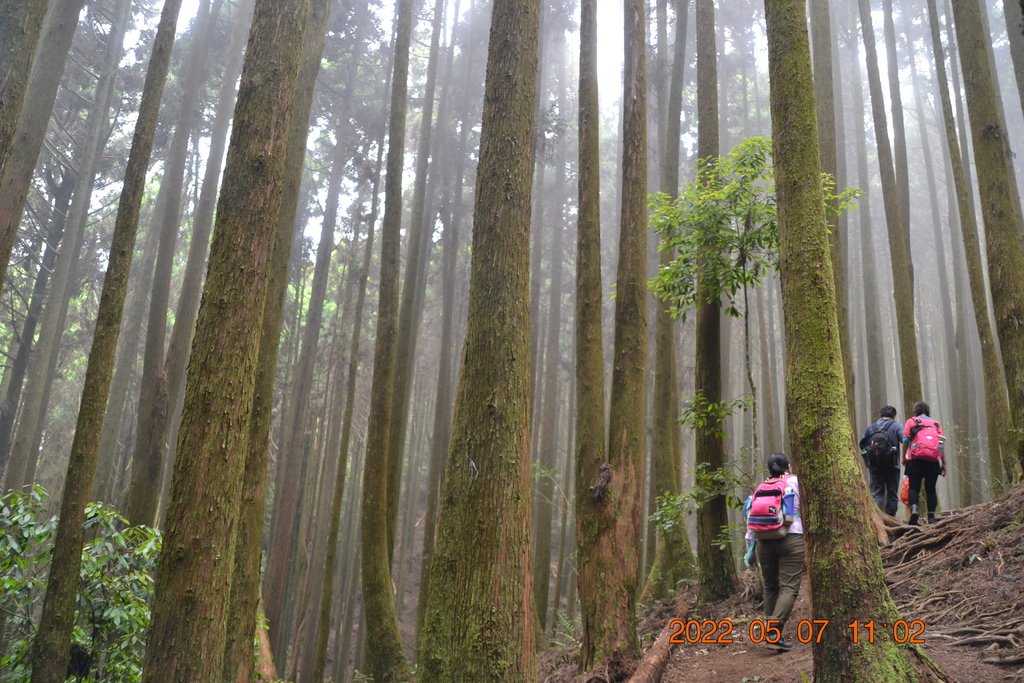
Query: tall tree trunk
[(180, 344), (21, 22), (899, 237), (15, 377), (28, 434), (323, 630), (47, 69), (845, 566), (1013, 12), (195, 572), (717, 571), (292, 453), (821, 43), (151, 428), (413, 284), (485, 589), (51, 648), (386, 657), (618, 545), (673, 559), (594, 515), (999, 210), (997, 409)]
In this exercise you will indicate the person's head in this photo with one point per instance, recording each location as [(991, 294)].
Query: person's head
[(887, 411), (778, 464), (921, 408)]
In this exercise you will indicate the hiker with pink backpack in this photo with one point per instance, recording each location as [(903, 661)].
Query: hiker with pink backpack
[(923, 459), (772, 512)]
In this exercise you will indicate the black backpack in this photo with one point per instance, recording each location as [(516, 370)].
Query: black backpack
[(878, 446)]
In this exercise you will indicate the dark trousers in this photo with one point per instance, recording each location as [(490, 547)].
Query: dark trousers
[(782, 568), (926, 471), (884, 483)]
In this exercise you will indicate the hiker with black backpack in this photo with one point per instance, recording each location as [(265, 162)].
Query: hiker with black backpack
[(923, 459), (773, 523), (880, 449)]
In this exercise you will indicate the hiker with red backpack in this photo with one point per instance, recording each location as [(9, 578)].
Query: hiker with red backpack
[(880, 449), (773, 523), (923, 459)]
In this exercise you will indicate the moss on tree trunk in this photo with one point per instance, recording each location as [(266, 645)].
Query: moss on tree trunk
[(479, 622), (186, 641), (847, 581)]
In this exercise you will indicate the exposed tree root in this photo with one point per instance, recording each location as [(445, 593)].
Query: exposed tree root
[(963, 577)]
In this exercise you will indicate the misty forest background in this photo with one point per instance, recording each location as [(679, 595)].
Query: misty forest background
[(323, 458)]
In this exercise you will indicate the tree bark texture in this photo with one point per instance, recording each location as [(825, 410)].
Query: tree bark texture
[(845, 566), (194, 576), (480, 617), (999, 209)]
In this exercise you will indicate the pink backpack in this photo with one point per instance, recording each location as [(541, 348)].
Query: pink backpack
[(772, 509), (925, 440)]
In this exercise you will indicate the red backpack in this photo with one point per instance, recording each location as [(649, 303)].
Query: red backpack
[(772, 509), (925, 440)]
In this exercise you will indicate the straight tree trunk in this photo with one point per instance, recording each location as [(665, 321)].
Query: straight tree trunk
[(151, 428), (21, 22), (16, 167), (999, 210), (245, 587), (715, 562), (386, 657), (997, 410), (15, 378), (414, 282), (821, 44), (28, 433), (618, 545), (186, 640), (673, 559), (479, 623), (1013, 12), (291, 455), (52, 645), (899, 237), (845, 566)]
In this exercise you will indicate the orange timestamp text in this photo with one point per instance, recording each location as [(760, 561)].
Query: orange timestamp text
[(720, 631)]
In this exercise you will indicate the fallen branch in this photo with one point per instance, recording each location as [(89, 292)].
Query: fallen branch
[(652, 666)]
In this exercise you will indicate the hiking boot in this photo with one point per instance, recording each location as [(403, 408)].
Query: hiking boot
[(913, 515), (782, 646), (931, 518)]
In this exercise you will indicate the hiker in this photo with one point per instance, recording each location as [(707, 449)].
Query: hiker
[(880, 449), (923, 459), (774, 524)]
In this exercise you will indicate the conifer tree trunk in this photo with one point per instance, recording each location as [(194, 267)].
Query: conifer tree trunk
[(899, 237), (480, 622), (28, 434), (997, 410), (17, 166), (245, 588), (717, 572), (53, 642), (386, 658), (845, 567), (21, 22), (291, 455), (186, 641), (821, 44), (594, 514), (999, 209), (1014, 15), (673, 558), (151, 429), (414, 282)]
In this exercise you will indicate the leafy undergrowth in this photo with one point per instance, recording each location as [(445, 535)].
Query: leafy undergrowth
[(963, 577)]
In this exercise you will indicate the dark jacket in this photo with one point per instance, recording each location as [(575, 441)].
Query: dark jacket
[(895, 435)]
